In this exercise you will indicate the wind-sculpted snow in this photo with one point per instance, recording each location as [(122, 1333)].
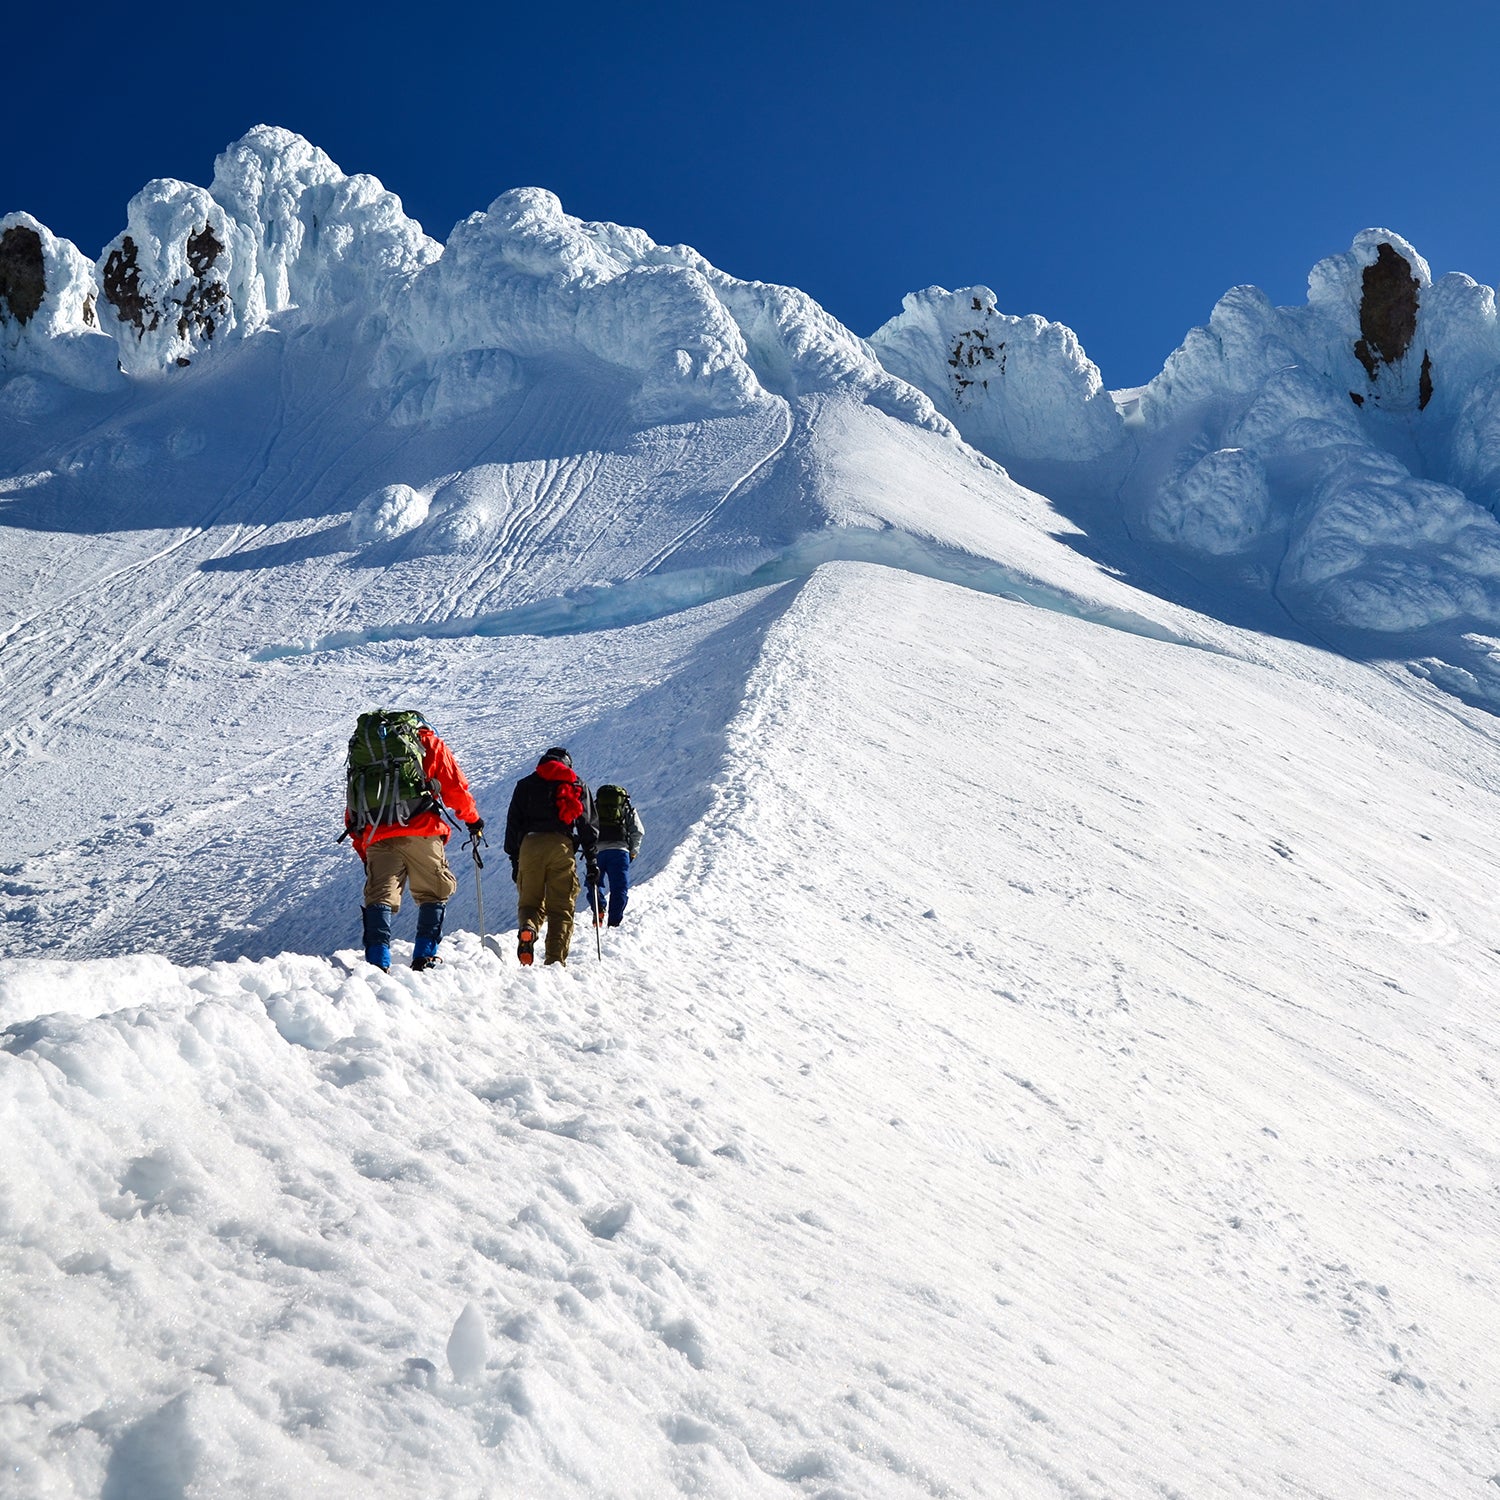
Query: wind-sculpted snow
[(179, 276), (1328, 440), (1344, 455), (49, 319), (323, 241), (281, 229), (1017, 388), (525, 281), (282, 236)]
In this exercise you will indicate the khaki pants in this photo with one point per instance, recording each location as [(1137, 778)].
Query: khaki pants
[(547, 885), (408, 860)]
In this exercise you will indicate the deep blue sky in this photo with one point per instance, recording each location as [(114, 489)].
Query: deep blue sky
[(1112, 167)]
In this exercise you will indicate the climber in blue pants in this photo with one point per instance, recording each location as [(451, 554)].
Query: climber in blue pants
[(620, 835)]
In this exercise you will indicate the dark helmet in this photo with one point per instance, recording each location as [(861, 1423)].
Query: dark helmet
[(557, 753)]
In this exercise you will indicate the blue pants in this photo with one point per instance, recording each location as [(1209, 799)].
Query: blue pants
[(614, 866)]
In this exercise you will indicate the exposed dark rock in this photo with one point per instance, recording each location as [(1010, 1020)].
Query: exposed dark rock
[(1387, 311), (203, 250), (122, 289), (1424, 385), (198, 309), (197, 317), (23, 272), (1356, 398)]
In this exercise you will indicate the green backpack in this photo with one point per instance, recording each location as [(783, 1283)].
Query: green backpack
[(612, 803), (386, 782)]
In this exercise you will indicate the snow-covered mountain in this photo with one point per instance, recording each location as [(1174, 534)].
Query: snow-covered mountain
[(1337, 460), (1048, 1051)]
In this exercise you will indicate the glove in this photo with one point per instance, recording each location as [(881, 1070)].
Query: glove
[(515, 872), (476, 829), (592, 875)]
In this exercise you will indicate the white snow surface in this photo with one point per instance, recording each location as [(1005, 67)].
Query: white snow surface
[(1050, 1051), (1257, 442), (1017, 388), (1233, 464), (1053, 1062)]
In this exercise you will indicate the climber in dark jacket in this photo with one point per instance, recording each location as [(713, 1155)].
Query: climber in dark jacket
[(550, 823)]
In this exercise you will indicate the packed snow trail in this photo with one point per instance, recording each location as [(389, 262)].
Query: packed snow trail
[(1091, 1116)]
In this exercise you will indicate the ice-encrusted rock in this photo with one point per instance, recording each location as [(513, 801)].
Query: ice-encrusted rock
[(49, 317), (1016, 388), (525, 281), (177, 278), (281, 228), (1367, 425)]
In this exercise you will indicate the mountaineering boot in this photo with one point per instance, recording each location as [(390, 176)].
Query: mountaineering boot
[(525, 945), (378, 936), (429, 935)]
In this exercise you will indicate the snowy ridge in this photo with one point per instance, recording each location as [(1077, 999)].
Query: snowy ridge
[(1017, 388), (282, 237), (1021, 1164), (525, 281), (1338, 460), (1338, 457)]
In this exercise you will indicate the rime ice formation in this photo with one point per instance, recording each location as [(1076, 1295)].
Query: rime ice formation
[(1320, 452), (1334, 442), (49, 319), (1345, 453), (525, 281), (1017, 388), (178, 277), (281, 228), (323, 241)]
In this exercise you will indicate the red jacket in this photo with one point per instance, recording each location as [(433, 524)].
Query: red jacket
[(438, 765)]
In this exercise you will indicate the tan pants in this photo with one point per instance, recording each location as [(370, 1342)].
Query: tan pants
[(547, 885), (419, 862)]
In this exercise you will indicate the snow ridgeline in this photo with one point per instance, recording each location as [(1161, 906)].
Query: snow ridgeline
[(282, 235), (1343, 456)]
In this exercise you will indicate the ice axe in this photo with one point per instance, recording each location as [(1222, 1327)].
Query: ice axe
[(472, 844)]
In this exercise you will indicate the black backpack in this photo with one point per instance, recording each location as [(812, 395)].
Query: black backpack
[(612, 803), (385, 779)]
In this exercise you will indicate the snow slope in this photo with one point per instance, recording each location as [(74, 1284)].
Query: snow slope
[(1048, 1051), (1016, 1082)]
